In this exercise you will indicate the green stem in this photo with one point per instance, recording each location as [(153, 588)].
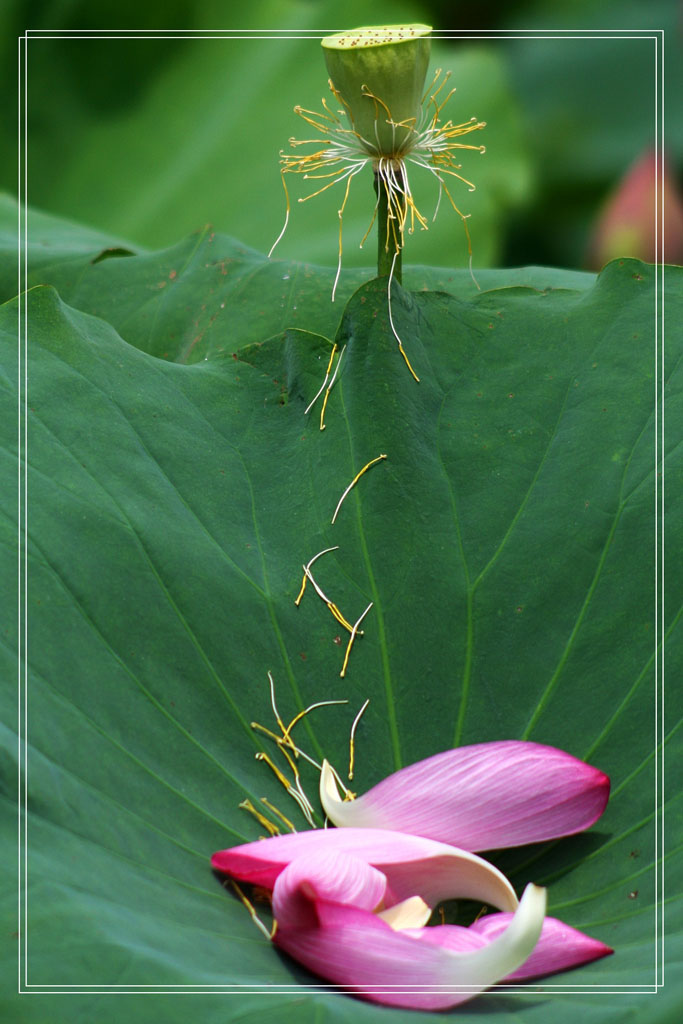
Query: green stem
[(385, 255)]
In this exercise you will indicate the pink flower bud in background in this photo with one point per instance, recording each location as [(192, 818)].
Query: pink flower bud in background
[(630, 223)]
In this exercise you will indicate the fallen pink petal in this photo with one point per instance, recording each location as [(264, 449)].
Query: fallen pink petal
[(559, 948), (481, 797), (350, 910), (413, 866)]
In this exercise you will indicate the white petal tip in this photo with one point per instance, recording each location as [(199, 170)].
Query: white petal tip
[(329, 792)]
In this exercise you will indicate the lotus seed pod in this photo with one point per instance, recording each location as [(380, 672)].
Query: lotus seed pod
[(379, 73)]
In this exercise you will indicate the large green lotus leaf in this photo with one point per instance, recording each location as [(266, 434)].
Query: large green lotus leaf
[(507, 543), (209, 294), (49, 240)]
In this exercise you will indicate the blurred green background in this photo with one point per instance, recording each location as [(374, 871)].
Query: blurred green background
[(150, 139)]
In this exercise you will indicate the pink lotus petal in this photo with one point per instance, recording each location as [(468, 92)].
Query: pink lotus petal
[(354, 948), (326, 874), (482, 797), (559, 948), (451, 936), (413, 866)]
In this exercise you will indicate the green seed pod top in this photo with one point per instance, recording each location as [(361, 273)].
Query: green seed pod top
[(379, 73)]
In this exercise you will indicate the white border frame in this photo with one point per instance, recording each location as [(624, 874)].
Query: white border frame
[(25, 987)]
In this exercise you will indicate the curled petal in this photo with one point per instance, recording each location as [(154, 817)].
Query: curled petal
[(482, 797), (559, 948), (412, 865), (329, 874), (360, 951)]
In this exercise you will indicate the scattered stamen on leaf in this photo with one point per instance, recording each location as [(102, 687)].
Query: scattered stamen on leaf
[(294, 791), (272, 702), (352, 740), (247, 805), (280, 776), (278, 814), (306, 569), (267, 732), (339, 617), (354, 482), (297, 602), (330, 604), (322, 411), (304, 803), (322, 386), (282, 740), (391, 321), (329, 388), (285, 744), (306, 711), (252, 913), (308, 575), (351, 639)]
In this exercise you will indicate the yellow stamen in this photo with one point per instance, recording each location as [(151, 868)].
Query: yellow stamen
[(301, 592), (407, 362), (322, 411), (267, 732), (302, 714), (439, 106), (354, 482), (254, 916), (338, 616), (340, 153), (337, 95), (329, 365), (307, 575), (290, 762), (351, 639), (330, 604), (278, 814), (284, 226), (372, 224), (281, 778), (330, 386), (341, 226), (391, 322), (322, 386), (272, 702), (247, 805), (434, 81), (304, 803), (366, 92), (352, 739), (295, 792)]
